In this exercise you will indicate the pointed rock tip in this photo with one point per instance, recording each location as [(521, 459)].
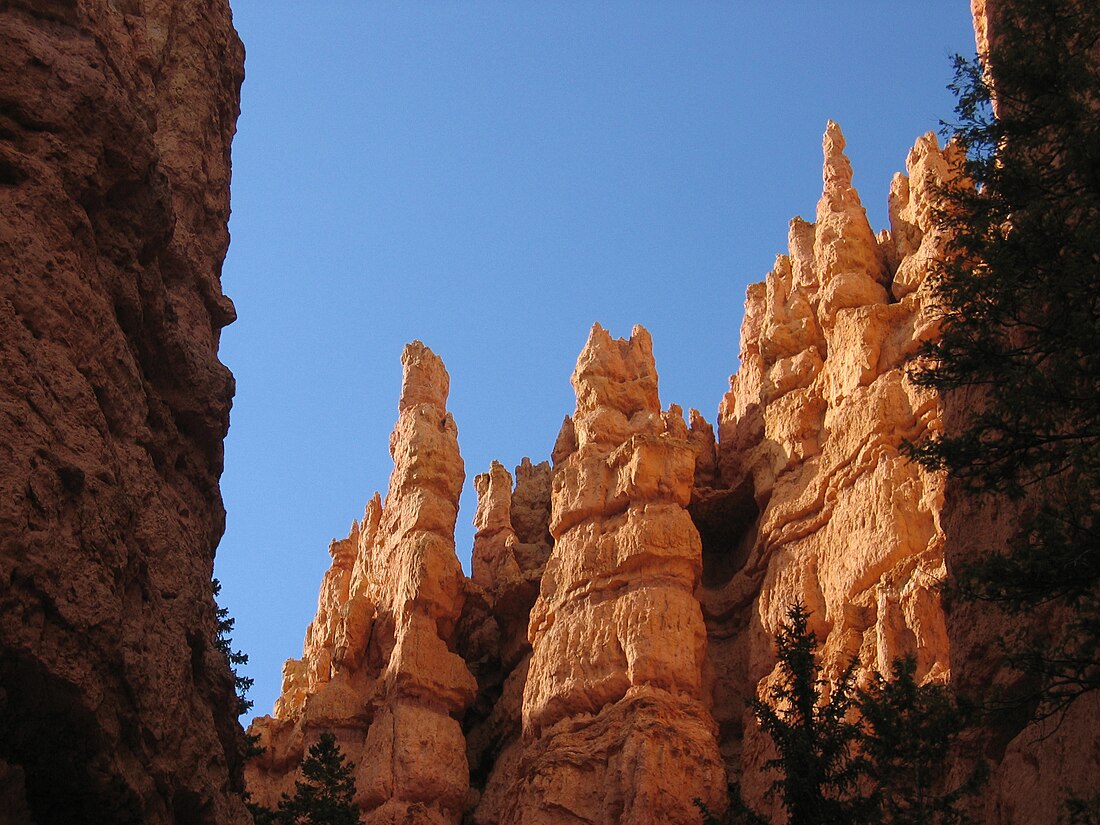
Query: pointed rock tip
[(603, 354), (636, 332), (836, 172), (424, 378), (833, 140)]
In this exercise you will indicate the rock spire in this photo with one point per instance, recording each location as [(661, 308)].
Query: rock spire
[(377, 668), (614, 719)]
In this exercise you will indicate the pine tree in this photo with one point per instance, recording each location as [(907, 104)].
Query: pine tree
[(326, 796), (818, 763), (223, 641), (908, 731), (875, 754), (1020, 301)]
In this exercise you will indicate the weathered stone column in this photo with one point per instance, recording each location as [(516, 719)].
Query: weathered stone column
[(614, 723)]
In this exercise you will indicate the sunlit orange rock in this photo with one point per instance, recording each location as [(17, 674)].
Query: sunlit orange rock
[(812, 431), (377, 668), (511, 548), (615, 728)]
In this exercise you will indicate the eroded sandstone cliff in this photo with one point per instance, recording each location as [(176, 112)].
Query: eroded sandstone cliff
[(623, 604), (115, 126), (614, 712), (1034, 768), (813, 425)]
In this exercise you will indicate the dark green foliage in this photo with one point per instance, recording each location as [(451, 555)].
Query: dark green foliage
[(818, 764), (252, 748), (907, 733), (738, 813), (874, 755), (1020, 299), (325, 797), (224, 642), (260, 814), (1078, 811)]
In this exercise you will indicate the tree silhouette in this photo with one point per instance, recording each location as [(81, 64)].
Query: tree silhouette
[(1020, 337), (223, 641), (908, 731), (326, 796), (878, 754), (818, 762)]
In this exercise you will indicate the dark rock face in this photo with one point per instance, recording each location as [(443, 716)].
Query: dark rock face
[(116, 118)]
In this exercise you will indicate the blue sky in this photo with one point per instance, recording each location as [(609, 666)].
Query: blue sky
[(492, 178)]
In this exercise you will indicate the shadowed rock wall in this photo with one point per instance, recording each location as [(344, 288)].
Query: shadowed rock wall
[(116, 118), (1034, 767)]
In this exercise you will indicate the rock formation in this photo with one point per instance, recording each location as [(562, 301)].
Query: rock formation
[(377, 669), (623, 606), (810, 432), (614, 720), (511, 548), (1034, 768), (115, 125)]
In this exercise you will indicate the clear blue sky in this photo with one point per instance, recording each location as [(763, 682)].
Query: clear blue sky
[(492, 178)]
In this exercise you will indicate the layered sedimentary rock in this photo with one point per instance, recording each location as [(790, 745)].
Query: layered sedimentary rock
[(377, 669), (832, 514), (615, 726), (623, 606), (511, 547), (603, 709), (115, 125)]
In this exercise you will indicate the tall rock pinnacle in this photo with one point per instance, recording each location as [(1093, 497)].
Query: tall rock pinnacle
[(624, 603), (377, 667), (618, 638), (813, 426)]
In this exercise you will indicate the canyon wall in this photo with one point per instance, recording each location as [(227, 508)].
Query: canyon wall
[(623, 604), (811, 432), (595, 667), (116, 118), (1034, 767)]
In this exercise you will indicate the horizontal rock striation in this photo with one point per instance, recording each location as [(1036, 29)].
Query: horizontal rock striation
[(115, 126), (511, 548), (615, 727), (623, 604)]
